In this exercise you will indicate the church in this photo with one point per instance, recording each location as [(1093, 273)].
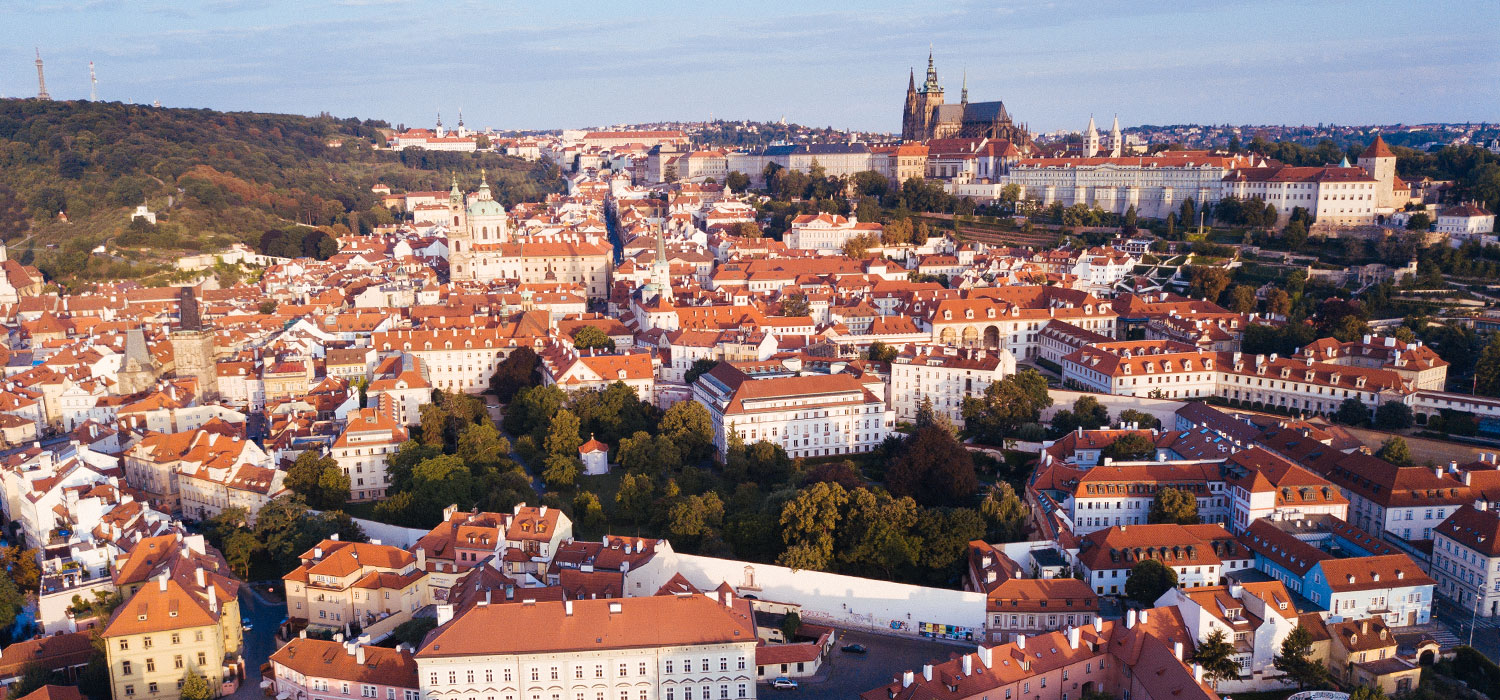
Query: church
[(926, 117)]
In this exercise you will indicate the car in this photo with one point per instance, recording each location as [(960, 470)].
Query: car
[(784, 683), (247, 626), (854, 649)]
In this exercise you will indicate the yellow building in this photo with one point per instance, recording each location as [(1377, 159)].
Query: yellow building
[(173, 628)]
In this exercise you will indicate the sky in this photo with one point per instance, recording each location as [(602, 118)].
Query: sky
[(562, 64)]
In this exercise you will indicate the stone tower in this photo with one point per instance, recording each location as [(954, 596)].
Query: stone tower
[(138, 371), (1116, 142), (1091, 140), (193, 346), (1380, 162), (921, 105)]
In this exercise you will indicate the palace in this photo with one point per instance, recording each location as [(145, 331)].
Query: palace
[(925, 117)]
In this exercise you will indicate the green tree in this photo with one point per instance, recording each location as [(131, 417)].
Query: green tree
[(699, 367), (1006, 405), (1148, 580), (791, 623), (34, 675), (1393, 415), (696, 518), (649, 454), (563, 437), (1242, 299), (588, 515), (195, 687), (1130, 447), (737, 181), (1087, 413), (1005, 514), (560, 472), (897, 232), (1294, 662), (1294, 235), (807, 526), (1395, 451), (1207, 282), (1278, 302), (690, 428), (880, 352), (794, 304), (1419, 221), (1216, 655), (1487, 369), (934, 469), (1139, 419), (14, 219), (592, 337), (1171, 505), (516, 372), (482, 445), (318, 478), (876, 533), (634, 497), (1366, 692), (1352, 411)]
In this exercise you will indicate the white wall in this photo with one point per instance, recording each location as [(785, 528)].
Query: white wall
[(835, 599)]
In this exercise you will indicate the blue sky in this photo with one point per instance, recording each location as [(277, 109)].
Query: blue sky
[(557, 64)]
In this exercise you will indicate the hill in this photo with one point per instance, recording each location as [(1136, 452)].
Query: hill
[(214, 178)]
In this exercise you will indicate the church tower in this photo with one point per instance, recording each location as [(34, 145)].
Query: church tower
[(1116, 145), (910, 126), (1090, 140), (193, 346), (460, 241), (138, 371), (440, 131)]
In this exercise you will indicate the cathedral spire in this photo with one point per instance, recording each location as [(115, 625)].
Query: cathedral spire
[(963, 97), (911, 81), (932, 80)]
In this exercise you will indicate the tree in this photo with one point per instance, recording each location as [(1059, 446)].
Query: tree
[(1419, 221), (1352, 411), (934, 469), (563, 438), (1294, 235), (1216, 655), (807, 526), (699, 367), (1278, 302), (516, 372), (560, 472), (1393, 415), (482, 445), (1172, 505), (195, 687), (794, 304), (1129, 447), (1487, 369), (897, 232), (737, 181), (880, 352), (1366, 692), (1242, 299), (1148, 580), (748, 229), (318, 478), (791, 623), (876, 533), (588, 515), (635, 496), (696, 518), (690, 428), (1208, 282), (1006, 405), (1139, 419), (47, 202), (1005, 514), (14, 219), (859, 246), (1293, 661), (1087, 413), (34, 675), (1395, 451), (591, 337)]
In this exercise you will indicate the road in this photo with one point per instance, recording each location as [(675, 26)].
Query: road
[(845, 676), (265, 616), (1486, 635)]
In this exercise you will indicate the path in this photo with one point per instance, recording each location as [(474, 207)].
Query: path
[(497, 416), (264, 616)]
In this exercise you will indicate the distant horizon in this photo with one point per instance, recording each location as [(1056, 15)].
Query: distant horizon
[(516, 67)]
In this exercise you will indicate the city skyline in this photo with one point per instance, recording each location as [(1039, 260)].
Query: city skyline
[(511, 66)]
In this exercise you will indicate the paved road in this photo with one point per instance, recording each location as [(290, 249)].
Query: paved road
[(260, 642), (848, 675), (1486, 636)]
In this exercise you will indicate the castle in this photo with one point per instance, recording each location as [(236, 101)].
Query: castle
[(926, 117)]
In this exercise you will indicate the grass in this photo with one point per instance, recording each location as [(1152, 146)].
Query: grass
[(605, 486)]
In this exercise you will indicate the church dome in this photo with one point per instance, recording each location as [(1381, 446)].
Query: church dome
[(484, 207)]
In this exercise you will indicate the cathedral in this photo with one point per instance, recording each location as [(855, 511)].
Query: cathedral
[(476, 234), (926, 117)]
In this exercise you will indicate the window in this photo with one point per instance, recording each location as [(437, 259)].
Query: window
[(146, 643), (176, 638), (177, 661), (202, 659), (151, 687), (669, 668), (151, 667), (643, 668), (368, 691), (129, 690), (125, 668)]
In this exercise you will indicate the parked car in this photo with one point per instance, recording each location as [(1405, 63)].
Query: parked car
[(247, 626), (784, 683), (854, 649)]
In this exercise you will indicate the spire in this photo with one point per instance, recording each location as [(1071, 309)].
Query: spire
[(41, 79), (460, 116), (963, 97), (93, 84), (932, 80), (440, 117), (911, 81)]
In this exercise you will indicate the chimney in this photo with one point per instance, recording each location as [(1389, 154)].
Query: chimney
[(1130, 619), (1197, 674), (161, 581), (1364, 626), (444, 614), (568, 607), (1020, 641), (1143, 616), (1073, 637), (198, 576), (907, 678), (213, 599), (968, 664), (1177, 650), (359, 654), (927, 672), (1437, 472), (986, 657)]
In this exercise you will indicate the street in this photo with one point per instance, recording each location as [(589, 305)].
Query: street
[(847, 675), (265, 617), (1486, 630)]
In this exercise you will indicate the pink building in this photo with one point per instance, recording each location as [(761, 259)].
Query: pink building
[(315, 669)]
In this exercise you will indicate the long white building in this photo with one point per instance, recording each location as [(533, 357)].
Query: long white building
[(946, 376), (809, 415), (677, 647)]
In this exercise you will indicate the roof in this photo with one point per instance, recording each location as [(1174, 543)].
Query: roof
[(54, 692), (317, 658), (585, 625), (1475, 529), (1377, 149)]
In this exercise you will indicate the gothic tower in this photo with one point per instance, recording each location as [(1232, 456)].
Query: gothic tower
[(910, 125), (1090, 140), (138, 371), (193, 346), (1116, 145)]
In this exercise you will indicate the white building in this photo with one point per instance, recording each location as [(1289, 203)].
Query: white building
[(1467, 222), (1254, 617), (808, 415), (946, 376), (1466, 559), (364, 450), (1155, 185), (678, 647), (827, 232)]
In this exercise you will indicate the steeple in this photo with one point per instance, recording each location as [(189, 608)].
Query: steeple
[(963, 97), (1090, 139), (41, 79), (455, 196), (911, 81), (1116, 143), (932, 80), (484, 185)]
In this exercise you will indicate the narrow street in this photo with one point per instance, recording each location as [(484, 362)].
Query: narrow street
[(264, 616)]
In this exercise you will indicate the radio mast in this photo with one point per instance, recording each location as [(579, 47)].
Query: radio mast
[(93, 84), (41, 79)]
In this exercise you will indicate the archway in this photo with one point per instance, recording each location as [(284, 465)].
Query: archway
[(1427, 658), (947, 336), (991, 337), (971, 336)]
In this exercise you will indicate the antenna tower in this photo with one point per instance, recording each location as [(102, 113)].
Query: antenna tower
[(93, 84), (41, 80)]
